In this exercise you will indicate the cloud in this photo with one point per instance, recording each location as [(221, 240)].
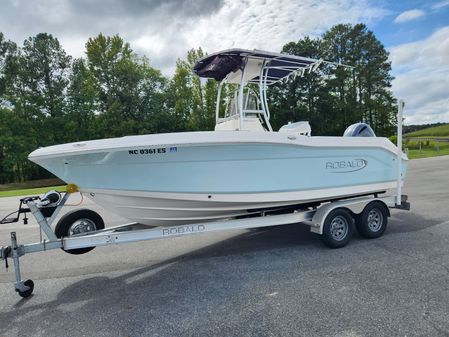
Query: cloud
[(164, 30), (270, 24), (422, 77), (138, 8), (440, 4), (410, 15), (74, 21)]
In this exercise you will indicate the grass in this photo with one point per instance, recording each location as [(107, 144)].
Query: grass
[(428, 149), (441, 131), (30, 191), (435, 149)]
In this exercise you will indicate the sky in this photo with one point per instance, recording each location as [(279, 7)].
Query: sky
[(415, 32)]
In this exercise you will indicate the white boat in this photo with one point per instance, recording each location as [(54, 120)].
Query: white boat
[(241, 168)]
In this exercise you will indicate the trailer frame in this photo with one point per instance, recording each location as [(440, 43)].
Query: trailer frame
[(314, 217)]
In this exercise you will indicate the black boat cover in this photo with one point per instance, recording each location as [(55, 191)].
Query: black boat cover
[(218, 66)]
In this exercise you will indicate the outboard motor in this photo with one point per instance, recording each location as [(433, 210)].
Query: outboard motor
[(359, 130)]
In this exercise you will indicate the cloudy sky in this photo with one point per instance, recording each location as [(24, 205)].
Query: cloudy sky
[(416, 33)]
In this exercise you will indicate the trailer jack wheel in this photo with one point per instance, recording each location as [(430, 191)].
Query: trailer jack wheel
[(79, 222), (21, 288)]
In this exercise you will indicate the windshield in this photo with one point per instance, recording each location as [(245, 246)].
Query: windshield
[(251, 103)]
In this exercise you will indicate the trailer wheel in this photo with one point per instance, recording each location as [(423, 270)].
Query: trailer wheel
[(372, 222), (78, 222), (338, 228)]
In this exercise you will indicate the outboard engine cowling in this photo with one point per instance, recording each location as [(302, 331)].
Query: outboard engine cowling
[(359, 130)]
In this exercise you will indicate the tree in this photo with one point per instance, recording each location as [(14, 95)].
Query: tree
[(363, 93), (38, 91), (153, 100), (8, 54), (122, 81), (35, 80), (82, 105), (113, 73), (301, 98), (17, 137), (337, 96), (194, 98)]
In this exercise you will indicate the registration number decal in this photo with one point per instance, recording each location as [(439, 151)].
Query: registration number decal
[(160, 150)]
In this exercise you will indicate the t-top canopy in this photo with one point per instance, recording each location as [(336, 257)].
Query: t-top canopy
[(230, 63)]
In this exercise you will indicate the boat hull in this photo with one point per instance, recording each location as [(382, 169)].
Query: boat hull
[(167, 209), (217, 178)]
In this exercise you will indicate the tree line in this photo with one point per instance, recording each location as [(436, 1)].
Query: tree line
[(47, 97)]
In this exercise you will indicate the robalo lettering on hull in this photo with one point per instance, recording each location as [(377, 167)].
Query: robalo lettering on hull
[(345, 166)]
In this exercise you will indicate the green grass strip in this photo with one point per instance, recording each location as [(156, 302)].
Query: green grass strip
[(437, 149), (31, 191)]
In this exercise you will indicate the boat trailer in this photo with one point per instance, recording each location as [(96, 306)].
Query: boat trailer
[(79, 231)]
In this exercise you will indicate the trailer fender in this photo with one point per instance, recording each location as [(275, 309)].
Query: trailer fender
[(354, 206)]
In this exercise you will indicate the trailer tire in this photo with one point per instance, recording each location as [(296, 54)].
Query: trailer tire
[(338, 228), (372, 222), (77, 222)]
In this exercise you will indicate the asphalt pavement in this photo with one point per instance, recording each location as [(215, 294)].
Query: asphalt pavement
[(267, 282)]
